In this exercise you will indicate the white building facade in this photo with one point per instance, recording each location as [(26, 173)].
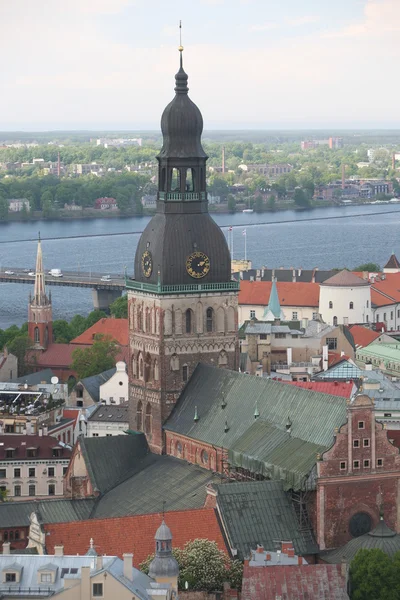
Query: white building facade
[(115, 390), (345, 299)]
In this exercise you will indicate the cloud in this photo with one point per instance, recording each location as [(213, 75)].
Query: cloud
[(264, 26), (380, 17), (303, 20)]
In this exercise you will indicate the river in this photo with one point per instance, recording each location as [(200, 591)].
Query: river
[(321, 237)]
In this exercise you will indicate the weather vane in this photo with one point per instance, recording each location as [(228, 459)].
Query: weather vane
[(180, 37)]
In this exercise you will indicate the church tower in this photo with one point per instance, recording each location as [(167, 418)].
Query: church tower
[(40, 327), (182, 302)]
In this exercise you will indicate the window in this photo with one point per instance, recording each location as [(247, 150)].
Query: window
[(45, 578), (294, 316), (204, 456), (185, 373), (37, 335), (51, 472), (280, 335), (379, 462), (97, 589), (10, 453), (139, 416), (342, 465), (253, 314), (366, 463), (331, 304), (351, 305), (32, 472), (52, 489), (65, 469), (111, 399), (11, 577), (398, 313), (209, 320), (3, 473), (356, 464), (178, 448), (356, 443), (108, 434), (17, 490), (367, 303), (360, 424), (32, 490), (331, 343), (391, 315), (377, 318), (366, 443), (17, 472), (315, 316), (95, 435), (263, 336), (387, 414), (335, 321), (384, 316), (188, 321), (147, 423), (56, 452), (31, 452), (175, 180)]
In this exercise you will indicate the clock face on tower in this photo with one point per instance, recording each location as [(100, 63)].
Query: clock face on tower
[(197, 265), (147, 263)]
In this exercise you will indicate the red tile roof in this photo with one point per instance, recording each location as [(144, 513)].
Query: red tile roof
[(116, 328), (363, 336), (334, 388), (290, 293), (71, 414), (56, 355), (294, 582), (345, 279), (386, 291), (134, 534), (394, 435), (21, 443)]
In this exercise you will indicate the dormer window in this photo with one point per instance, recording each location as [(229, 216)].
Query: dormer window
[(12, 573), (47, 573), (57, 452), (11, 577), (31, 452), (10, 452)]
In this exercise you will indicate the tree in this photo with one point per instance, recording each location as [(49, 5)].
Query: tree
[(231, 203), (204, 566), (370, 267), (20, 346), (77, 326), (96, 359), (259, 204), (374, 575), (271, 202), (119, 308), (93, 317), (300, 198), (61, 331), (46, 199), (3, 209)]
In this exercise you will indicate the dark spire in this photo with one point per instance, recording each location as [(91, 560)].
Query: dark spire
[(181, 77)]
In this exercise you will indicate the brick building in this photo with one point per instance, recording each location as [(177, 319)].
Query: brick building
[(182, 302), (40, 320), (356, 478)]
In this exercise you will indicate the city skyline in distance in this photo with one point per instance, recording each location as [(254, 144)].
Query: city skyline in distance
[(110, 64)]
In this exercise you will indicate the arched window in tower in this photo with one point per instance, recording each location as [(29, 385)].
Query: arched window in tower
[(189, 184), (185, 373), (331, 304), (231, 318), (147, 422), (189, 321), (174, 363), (351, 305), (175, 180), (335, 321), (134, 366), (222, 359), (139, 416), (209, 320), (147, 367), (148, 321), (155, 370), (36, 335), (139, 318), (140, 360)]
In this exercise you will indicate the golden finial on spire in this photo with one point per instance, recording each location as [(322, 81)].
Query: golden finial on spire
[(180, 37)]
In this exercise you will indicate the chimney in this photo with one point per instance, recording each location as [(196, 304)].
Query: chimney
[(45, 430), (299, 560), (289, 356), (260, 549), (28, 428), (40, 431), (128, 564), (294, 275), (6, 548), (368, 366), (268, 557), (85, 582), (290, 552), (99, 562), (58, 550)]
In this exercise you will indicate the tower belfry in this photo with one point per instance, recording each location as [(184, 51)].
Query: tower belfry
[(40, 318), (182, 301)]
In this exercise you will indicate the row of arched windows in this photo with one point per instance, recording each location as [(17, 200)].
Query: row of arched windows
[(143, 421), (189, 322), (145, 320), (144, 367), (180, 179)]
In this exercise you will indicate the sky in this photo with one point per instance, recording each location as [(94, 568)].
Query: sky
[(252, 64)]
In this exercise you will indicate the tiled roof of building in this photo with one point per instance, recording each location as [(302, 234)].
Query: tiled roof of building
[(294, 582), (260, 512), (43, 447), (289, 294), (334, 388), (92, 384), (386, 289), (382, 537), (363, 335), (56, 355), (16, 514), (110, 413), (392, 263), (263, 445), (158, 479), (111, 460), (345, 279), (394, 437), (135, 533), (287, 275), (43, 376), (115, 328), (72, 414)]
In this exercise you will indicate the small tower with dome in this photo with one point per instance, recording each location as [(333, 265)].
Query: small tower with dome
[(164, 568)]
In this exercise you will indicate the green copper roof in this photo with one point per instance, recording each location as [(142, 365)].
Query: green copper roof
[(383, 351), (264, 443), (260, 512), (273, 305)]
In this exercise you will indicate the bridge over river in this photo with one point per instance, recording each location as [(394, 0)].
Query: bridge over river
[(105, 288)]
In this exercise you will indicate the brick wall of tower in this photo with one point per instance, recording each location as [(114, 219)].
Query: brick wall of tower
[(359, 474), (159, 337), (40, 319)]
